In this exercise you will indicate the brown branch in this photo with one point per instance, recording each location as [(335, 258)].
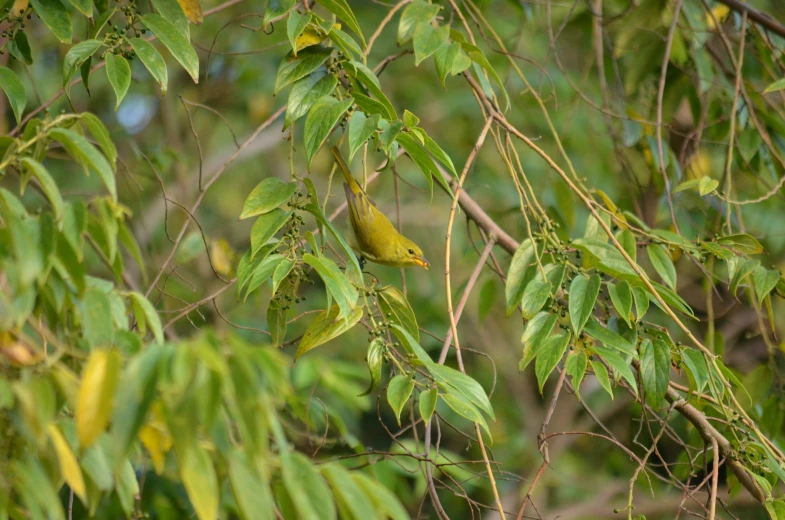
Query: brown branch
[(755, 15), (710, 435)]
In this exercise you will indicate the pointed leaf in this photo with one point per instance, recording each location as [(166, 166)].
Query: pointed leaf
[(321, 119), (119, 73), (307, 91), (152, 60), (428, 403), (326, 326), (655, 370), (14, 90), (174, 40), (583, 295), (548, 357), (55, 16), (398, 392), (96, 394), (266, 196)]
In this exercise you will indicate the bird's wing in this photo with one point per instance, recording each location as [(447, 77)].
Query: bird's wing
[(361, 208)]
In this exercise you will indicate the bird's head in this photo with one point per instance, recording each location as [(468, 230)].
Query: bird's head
[(411, 253)]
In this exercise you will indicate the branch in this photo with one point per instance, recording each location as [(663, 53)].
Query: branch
[(755, 15), (711, 436)]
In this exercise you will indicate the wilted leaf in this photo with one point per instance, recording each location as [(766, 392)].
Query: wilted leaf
[(327, 325)]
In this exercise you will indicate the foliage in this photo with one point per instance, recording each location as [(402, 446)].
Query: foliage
[(114, 405)]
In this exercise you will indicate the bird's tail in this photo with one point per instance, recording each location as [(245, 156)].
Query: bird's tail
[(347, 174)]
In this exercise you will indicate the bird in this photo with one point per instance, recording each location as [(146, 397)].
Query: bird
[(376, 239)]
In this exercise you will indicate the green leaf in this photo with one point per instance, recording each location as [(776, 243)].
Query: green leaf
[(96, 316), (101, 135), (295, 26), (361, 128), (535, 333), (152, 60), (76, 56), (83, 6), (308, 491), (641, 298), (449, 59), (350, 497), (696, 367), (307, 91), (266, 196), (174, 40), (375, 359), (20, 49), (15, 91), (265, 227), (601, 373), (743, 244), (440, 154), (119, 73), (368, 79), (423, 160), (87, 155), (327, 326), (335, 282), (307, 61), (415, 13), (662, 264), (516, 274), (764, 280), (428, 39), (55, 16), (549, 355), (464, 385), (396, 310), (136, 392), (534, 297), (383, 499), (398, 391), (621, 297), (410, 120), (575, 365), (655, 370), (619, 365), (281, 272), (251, 492), (428, 403), (609, 338), (463, 407), (353, 267), (390, 130), (776, 86), (583, 295), (263, 268), (342, 10), (322, 117), (478, 57), (276, 8), (172, 12), (346, 43), (96, 394), (48, 184), (707, 185), (143, 306), (198, 476)]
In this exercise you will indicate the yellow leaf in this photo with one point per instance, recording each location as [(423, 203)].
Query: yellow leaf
[(96, 394), (308, 38), (20, 355), (192, 10), (221, 254), (69, 467), (19, 7), (720, 13), (157, 441)]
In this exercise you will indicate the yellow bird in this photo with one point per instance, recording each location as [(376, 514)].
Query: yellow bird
[(377, 239)]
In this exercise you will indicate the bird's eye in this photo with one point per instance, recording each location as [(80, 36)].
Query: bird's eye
[(411, 251)]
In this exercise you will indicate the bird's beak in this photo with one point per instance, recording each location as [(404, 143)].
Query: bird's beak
[(421, 261)]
